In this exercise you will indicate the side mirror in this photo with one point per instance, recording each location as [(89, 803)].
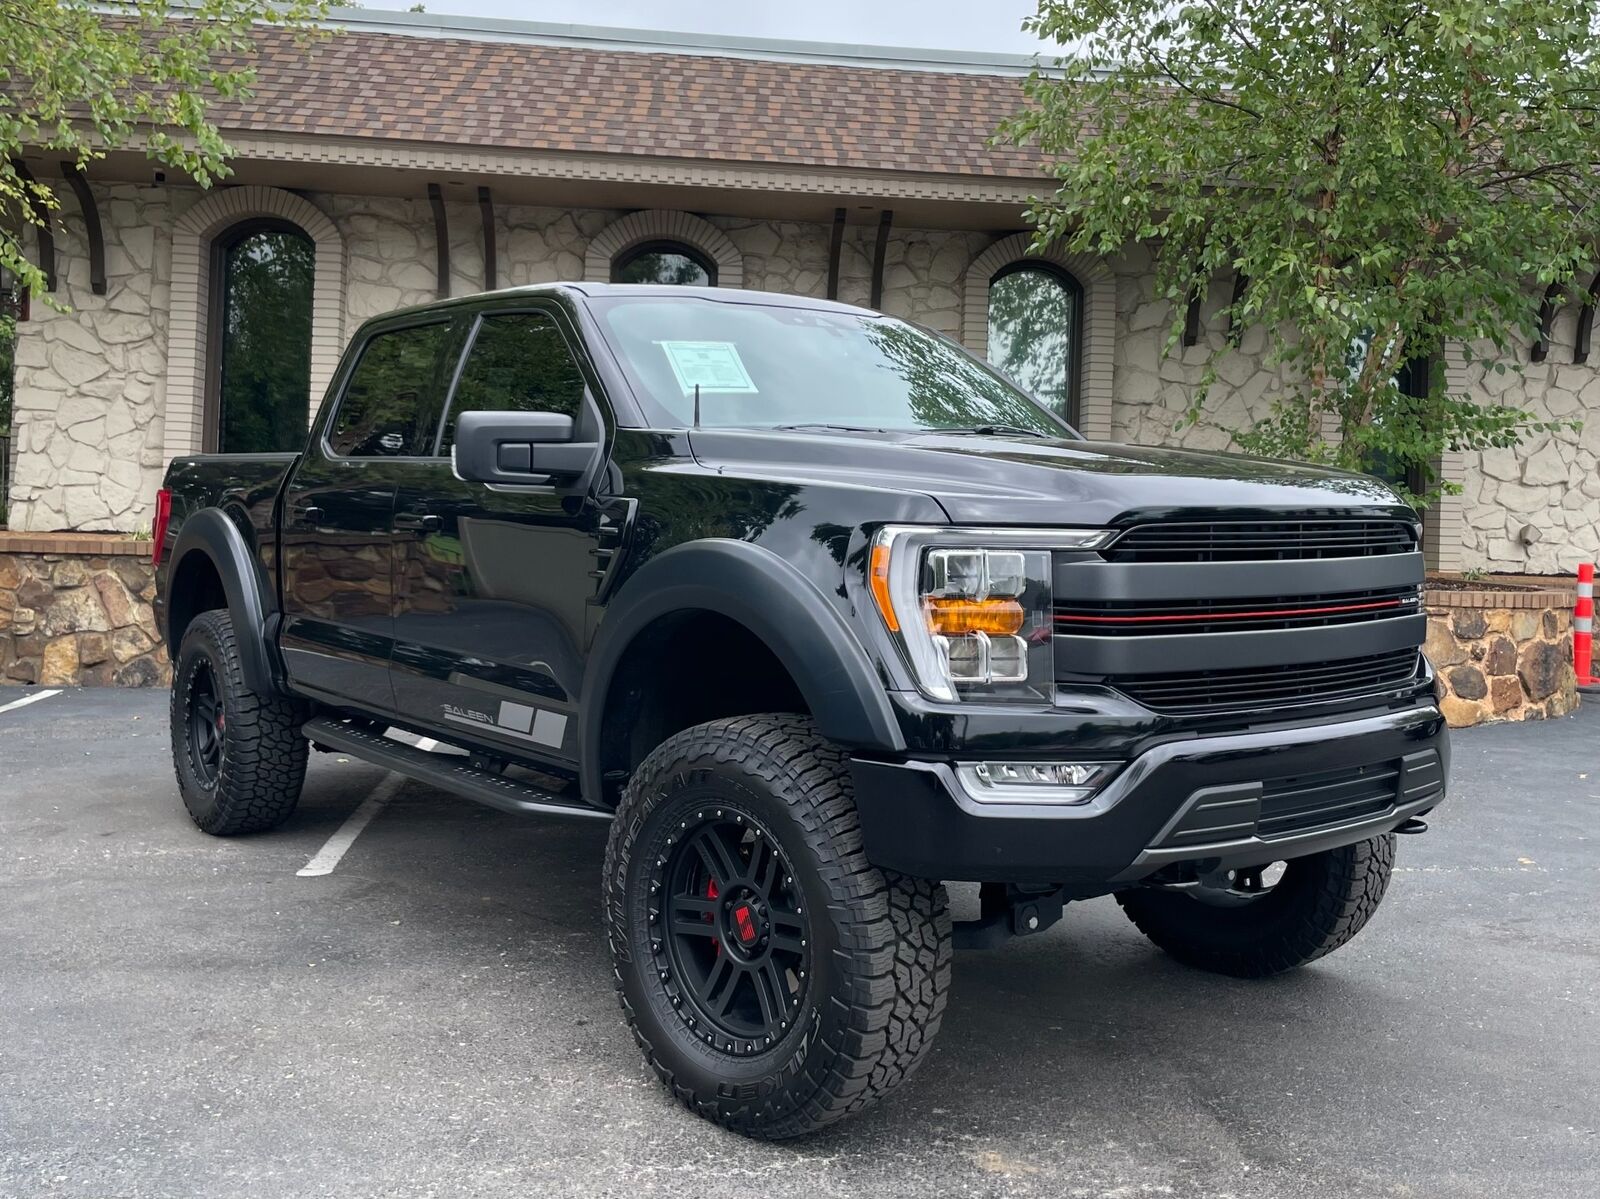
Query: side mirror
[(520, 447)]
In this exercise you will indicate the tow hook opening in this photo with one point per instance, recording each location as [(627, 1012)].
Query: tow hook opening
[(1007, 910)]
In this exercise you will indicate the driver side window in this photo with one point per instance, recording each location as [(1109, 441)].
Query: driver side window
[(519, 362), (390, 405)]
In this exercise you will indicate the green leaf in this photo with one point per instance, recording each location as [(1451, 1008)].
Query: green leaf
[(1395, 179), (83, 79)]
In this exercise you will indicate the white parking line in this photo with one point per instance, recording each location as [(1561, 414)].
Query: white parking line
[(28, 699), (328, 856)]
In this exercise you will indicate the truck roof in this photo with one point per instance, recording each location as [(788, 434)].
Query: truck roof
[(726, 295)]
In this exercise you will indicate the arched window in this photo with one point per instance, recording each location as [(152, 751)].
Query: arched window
[(664, 262), (1036, 331), (262, 274)]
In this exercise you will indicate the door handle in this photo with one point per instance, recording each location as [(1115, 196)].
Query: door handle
[(419, 522)]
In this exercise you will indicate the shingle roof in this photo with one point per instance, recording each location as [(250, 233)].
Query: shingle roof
[(513, 96)]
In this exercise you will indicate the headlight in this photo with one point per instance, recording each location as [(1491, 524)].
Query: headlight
[(972, 609)]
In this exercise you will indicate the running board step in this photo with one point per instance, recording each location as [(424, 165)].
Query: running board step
[(448, 772)]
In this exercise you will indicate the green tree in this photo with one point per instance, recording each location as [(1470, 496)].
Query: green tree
[(80, 79), (1390, 177)]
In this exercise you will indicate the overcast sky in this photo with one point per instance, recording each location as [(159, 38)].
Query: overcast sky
[(982, 25)]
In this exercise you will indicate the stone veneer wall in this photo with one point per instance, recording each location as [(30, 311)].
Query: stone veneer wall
[(75, 610), (1153, 393), (1501, 655), (389, 243), (91, 381), (1552, 482)]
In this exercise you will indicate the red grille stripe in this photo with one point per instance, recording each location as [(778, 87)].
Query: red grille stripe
[(1205, 617)]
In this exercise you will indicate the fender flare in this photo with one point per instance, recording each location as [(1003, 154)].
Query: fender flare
[(213, 536), (779, 605)]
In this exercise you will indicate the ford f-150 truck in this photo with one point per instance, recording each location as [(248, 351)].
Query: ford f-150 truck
[(820, 613)]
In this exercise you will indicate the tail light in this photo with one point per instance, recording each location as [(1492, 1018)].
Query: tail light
[(158, 532)]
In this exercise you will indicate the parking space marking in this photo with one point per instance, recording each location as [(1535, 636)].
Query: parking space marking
[(28, 699), (337, 845)]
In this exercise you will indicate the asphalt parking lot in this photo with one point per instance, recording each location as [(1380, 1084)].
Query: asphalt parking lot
[(184, 1016)]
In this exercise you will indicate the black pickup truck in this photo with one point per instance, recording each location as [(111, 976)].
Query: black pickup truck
[(820, 612)]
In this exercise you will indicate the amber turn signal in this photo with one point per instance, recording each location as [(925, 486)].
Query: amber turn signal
[(878, 582), (954, 617)]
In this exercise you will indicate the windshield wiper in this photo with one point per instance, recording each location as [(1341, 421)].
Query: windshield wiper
[(995, 431), (836, 428), (990, 430)]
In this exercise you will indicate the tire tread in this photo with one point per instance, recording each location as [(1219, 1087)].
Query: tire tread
[(264, 759), (894, 930), (1350, 884)]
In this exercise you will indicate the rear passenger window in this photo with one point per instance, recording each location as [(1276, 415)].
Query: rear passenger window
[(519, 362), (390, 405)]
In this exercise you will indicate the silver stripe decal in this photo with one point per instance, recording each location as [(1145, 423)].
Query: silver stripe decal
[(543, 730)]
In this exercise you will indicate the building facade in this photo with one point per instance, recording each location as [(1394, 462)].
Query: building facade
[(411, 157)]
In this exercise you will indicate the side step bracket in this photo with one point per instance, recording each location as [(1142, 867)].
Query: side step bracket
[(448, 772)]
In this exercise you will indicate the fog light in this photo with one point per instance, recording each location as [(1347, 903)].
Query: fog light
[(1034, 782)]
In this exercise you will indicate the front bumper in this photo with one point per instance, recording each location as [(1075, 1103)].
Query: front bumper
[(1234, 800)]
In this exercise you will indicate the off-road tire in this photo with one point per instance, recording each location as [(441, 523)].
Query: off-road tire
[(262, 755), (880, 953), (1320, 903)]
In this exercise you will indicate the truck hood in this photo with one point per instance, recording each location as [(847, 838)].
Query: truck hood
[(1028, 480)]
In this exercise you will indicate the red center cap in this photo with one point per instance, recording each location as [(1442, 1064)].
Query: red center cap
[(745, 920)]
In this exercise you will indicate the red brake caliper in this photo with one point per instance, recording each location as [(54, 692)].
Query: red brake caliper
[(712, 893)]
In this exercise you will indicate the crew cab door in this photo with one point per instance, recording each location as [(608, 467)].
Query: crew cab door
[(494, 582), (338, 535)]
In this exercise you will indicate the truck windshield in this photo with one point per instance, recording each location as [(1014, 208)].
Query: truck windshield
[(769, 366)]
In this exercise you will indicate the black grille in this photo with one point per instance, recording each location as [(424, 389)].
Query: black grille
[(1262, 541), (1307, 801), (1276, 686), (1147, 618)]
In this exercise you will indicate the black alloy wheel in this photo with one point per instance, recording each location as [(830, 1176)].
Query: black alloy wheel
[(735, 937), (773, 977), (206, 722), (238, 755)]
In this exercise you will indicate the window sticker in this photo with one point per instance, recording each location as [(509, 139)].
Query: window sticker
[(712, 366)]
